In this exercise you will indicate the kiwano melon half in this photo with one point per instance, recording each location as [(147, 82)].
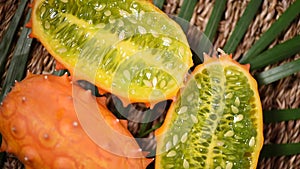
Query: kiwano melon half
[(129, 48), (216, 121), (39, 125)]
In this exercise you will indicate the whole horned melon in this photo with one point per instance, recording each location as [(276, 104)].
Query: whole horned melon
[(129, 48), (39, 125), (216, 121)]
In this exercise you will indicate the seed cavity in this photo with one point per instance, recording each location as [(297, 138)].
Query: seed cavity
[(220, 143), (194, 118), (121, 23), (229, 133), (62, 50), (186, 164), (252, 142), (112, 20), (127, 74), (166, 41), (229, 165), (169, 166), (175, 139), (234, 109), (162, 84), (183, 109), (238, 118), (47, 25), (100, 25), (237, 102), (147, 83), (168, 145), (142, 30), (124, 13), (190, 97), (171, 153), (228, 96), (100, 7), (154, 81), (184, 137), (122, 35), (154, 33), (107, 13)]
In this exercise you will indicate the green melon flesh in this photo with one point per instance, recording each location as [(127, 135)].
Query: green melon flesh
[(215, 123), (127, 47)]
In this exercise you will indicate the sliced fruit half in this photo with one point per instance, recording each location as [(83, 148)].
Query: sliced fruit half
[(129, 48), (216, 122)]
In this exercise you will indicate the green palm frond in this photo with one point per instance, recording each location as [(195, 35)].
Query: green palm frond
[(276, 28), (187, 9), (9, 35), (278, 73), (277, 53), (242, 26), (214, 20), (17, 67)]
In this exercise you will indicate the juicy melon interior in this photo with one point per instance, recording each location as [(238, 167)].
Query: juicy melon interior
[(100, 41), (215, 123)]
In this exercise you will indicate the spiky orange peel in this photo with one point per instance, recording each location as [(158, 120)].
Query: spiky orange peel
[(216, 121), (39, 125)]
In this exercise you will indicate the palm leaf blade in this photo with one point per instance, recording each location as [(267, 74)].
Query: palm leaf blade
[(279, 72), (9, 35), (214, 19), (187, 9), (19, 60), (276, 28), (277, 53), (242, 26)]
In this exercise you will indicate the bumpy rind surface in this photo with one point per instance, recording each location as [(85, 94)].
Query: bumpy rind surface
[(39, 125), (216, 122), (129, 48)]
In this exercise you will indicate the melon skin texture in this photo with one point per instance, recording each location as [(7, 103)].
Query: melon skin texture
[(129, 48), (215, 122), (39, 125)]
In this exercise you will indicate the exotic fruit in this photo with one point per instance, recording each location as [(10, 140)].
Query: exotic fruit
[(216, 122), (39, 125), (129, 48)]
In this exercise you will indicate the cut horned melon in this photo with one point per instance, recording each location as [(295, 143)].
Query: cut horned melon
[(216, 122), (129, 48)]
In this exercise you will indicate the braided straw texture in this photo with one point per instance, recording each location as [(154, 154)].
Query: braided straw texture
[(282, 94)]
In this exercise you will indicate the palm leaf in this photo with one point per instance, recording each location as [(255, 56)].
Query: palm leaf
[(214, 19), (277, 53), (276, 28), (18, 63), (242, 26), (9, 35), (187, 9), (274, 116), (279, 72)]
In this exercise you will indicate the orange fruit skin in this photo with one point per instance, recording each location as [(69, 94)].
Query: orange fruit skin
[(39, 125)]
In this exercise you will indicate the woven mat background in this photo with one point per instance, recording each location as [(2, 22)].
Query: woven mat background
[(278, 95)]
